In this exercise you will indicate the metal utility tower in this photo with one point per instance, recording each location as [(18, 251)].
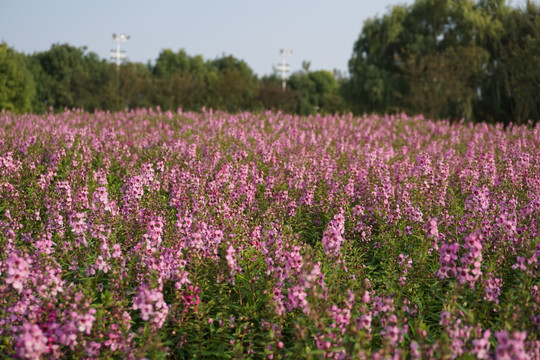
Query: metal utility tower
[(119, 55), (284, 67)]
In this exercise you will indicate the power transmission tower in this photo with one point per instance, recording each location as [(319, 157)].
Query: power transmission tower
[(119, 55), (284, 67)]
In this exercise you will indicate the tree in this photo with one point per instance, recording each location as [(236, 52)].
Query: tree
[(136, 86), (316, 91), (443, 84), (181, 80), (99, 92), (511, 91), (272, 96), (16, 81), (427, 49), (374, 74), (70, 78), (63, 75), (232, 84)]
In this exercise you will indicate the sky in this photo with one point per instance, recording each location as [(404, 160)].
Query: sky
[(320, 31)]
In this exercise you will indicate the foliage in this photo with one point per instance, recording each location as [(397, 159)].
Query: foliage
[(180, 80), (443, 83), (72, 79), (16, 81), (232, 84), (449, 59), (271, 95), (512, 89), (317, 92)]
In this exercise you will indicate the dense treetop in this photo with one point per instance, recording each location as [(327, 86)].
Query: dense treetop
[(450, 59)]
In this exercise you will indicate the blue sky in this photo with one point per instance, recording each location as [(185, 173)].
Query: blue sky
[(322, 32)]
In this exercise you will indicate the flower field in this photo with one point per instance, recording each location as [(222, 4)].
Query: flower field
[(149, 234)]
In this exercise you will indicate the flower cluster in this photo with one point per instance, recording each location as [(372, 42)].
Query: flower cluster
[(150, 234)]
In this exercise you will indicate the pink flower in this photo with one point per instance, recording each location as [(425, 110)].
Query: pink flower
[(492, 289), (152, 306), (432, 228), (232, 262), (18, 271), (181, 279), (85, 321), (520, 264), (415, 350), (100, 196), (101, 265), (117, 252), (32, 343), (297, 298), (332, 236), (391, 333), (364, 322), (481, 346), (366, 298), (511, 347)]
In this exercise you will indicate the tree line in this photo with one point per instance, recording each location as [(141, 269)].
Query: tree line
[(478, 60), (69, 77)]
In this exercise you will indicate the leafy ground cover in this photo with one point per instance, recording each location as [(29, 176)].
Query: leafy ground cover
[(210, 235)]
